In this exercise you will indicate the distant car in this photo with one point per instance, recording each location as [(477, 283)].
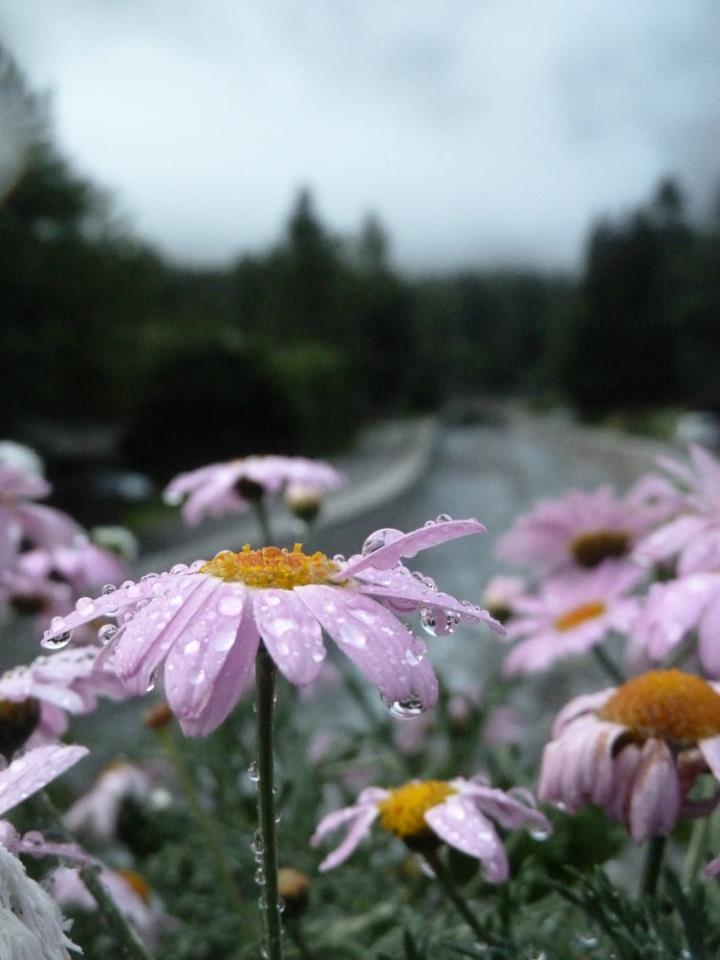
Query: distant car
[(699, 426)]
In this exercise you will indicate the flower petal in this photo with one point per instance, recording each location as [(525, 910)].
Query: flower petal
[(359, 827), (32, 771), (291, 634), (655, 793), (381, 647), (458, 822), (410, 544), (510, 812)]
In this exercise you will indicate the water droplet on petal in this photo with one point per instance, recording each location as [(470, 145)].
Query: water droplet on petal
[(443, 518), (109, 588), (107, 632), (379, 539), (411, 706), (429, 621), (58, 641)]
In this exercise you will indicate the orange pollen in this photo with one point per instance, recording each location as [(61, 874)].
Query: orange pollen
[(272, 567), (590, 549), (573, 618), (667, 704), (403, 812), (137, 884)]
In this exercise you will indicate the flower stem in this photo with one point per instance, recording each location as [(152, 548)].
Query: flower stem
[(261, 515), (265, 700), (695, 853), (446, 881), (651, 870), (608, 665), (89, 872), (204, 822)]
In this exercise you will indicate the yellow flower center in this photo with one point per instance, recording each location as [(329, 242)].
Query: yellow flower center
[(573, 618), (590, 549), (403, 812), (136, 883), (667, 704), (272, 567)]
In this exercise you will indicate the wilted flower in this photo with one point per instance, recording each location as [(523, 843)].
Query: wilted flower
[(64, 682), (231, 487), (97, 812), (201, 625), (21, 519), (636, 751), (425, 813), (582, 530), (693, 536), (571, 615)]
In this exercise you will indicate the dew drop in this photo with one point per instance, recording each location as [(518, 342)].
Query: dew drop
[(587, 940), (109, 588), (339, 558), (429, 523), (539, 833), (107, 632), (260, 877), (443, 518), (379, 539), (58, 641), (402, 709), (429, 621), (253, 772)]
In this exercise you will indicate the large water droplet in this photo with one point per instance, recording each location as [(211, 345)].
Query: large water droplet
[(411, 706), (428, 620), (107, 632), (379, 539), (59, 641)]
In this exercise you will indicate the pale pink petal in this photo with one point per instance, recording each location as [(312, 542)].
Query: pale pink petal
[(291, 634), (198, 654), (458, 822), (510, 812), (145, 640), (670, 539), (624, 769), (410, 544), (381, 647), (655, 793), (368, 800), (31, 772), (586, 703), (359, 828), (45, 526), (231, 682), (709, 636), (710, 749)]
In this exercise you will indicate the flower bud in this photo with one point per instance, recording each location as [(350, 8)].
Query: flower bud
[(293, 888), (158, 716)]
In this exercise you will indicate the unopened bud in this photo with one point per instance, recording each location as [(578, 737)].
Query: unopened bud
[(158, 716), (293, 889)]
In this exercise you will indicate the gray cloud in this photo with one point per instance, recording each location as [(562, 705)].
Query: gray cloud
[(479, 131)]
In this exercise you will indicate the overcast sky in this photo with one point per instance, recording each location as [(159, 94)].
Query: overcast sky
[(478, 130)]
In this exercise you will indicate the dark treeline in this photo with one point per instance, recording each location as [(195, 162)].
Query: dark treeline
[(295, 348)]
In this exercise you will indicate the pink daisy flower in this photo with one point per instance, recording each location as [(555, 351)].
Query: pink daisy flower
[(231, 487), (52, 686), (20, 518), (693, 537), (201, 626), (571, 616), (636, 751), (425, 813), (671, 612), (581, 530)]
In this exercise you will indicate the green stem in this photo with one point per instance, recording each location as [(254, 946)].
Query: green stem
[(608, 665), (443, 877), (125, 934), (651, 869), (265, 700), (205, 823), (697, 848), (261, 515)]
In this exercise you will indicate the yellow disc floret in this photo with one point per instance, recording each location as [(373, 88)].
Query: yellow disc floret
[(590, 549), (272, 567), (573, 618), (403, 812), (137, 884), (667, 704)]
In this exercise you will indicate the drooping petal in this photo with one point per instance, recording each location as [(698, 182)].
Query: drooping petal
[(359, 827), (655, 793), (33, 770), (291, 634), (709, 636), (458, 822), (410, 544), (197, 656), (381, 647), (710, 749), (509, 811), (230, 683), (586, 703)]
